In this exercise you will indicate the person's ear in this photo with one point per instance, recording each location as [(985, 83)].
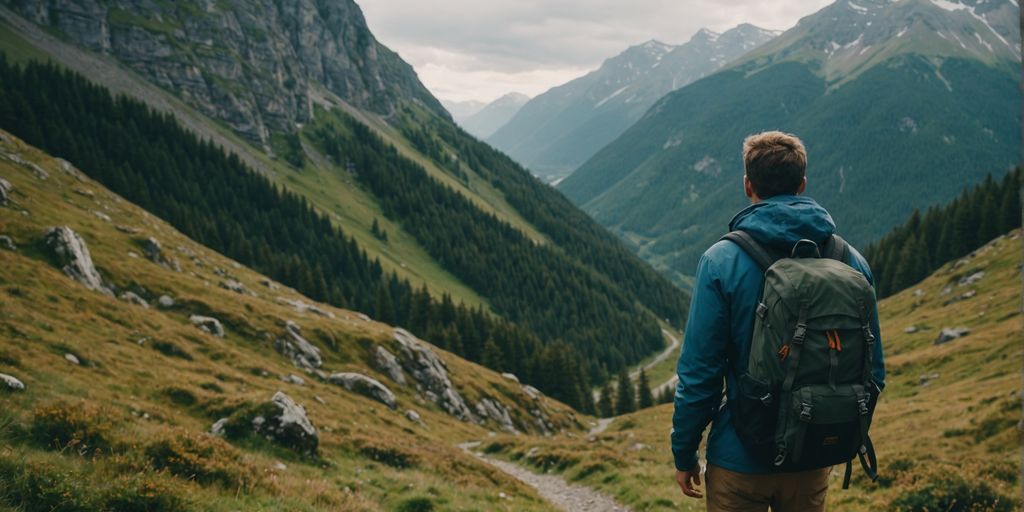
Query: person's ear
[(748, 189), (803, 186)]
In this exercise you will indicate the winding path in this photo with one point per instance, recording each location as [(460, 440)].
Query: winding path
[(554, 489), (672, 349)]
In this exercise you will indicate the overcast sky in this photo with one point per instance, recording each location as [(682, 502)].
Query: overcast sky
[(481, 49)]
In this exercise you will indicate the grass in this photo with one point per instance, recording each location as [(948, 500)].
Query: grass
[(951, 444), (126, 428)]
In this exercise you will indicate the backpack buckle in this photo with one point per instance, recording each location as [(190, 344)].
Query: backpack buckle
[(800, 333), (781, 457), (863, 403), (766, 399), (762, 309), (805, 412)]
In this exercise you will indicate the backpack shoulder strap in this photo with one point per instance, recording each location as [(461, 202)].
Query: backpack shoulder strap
[(761, 256), (837, 249)]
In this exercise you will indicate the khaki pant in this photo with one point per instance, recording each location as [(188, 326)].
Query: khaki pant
[(729, 491)]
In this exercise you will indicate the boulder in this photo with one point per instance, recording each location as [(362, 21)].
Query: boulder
[(492, 409), (73, 359), (300, 351), (284, 422), (511, 376), (232, 285), (973, 278), (165, 302), (6, 242), (155, 252), (102, 216), (134, 298), (218, 427), (927, 378), (127, 229), (268, 283), (413, 416), (359, 383), (303, 307), (70, 169), (5, 191), (387, 363), (532, 392), (948, 334), (73, 255), (208, 324), (11, 383), (430, 374), (291, 378), (910, 329)]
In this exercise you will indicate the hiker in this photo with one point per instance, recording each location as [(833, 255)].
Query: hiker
[(778, 286)]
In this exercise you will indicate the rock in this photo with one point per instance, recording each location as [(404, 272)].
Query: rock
[(430, 374), (102, 216), (269, 284), (973, 278), (491, 408), (155, 253), (12, 383), (218, 427), (413, 416), (286, 424), (5, 191), (532, 392), (927, 378), (208, 324), (279, 466), (6, 242), (133, 298), (303, 307), (386, 362), (947, 290), (367, 386), (511, 377), (302, 353), (948, 334), (364, 317), (918, 292), (231, 284), (73, 255), (71, 358), (84, 192), (70, 169), (165, 302), (911, 329), (127, 229), (969, 294), (291, 378)]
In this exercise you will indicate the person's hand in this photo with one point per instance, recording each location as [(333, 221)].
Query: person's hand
[(687, 481)]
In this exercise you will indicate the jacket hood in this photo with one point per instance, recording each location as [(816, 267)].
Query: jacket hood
[(780, 221)]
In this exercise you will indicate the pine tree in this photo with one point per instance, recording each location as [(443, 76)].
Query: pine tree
[(625, 402), (493, 357), (644, 397), (605, 405)]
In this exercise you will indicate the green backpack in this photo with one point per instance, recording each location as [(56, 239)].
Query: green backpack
[(807, 397)]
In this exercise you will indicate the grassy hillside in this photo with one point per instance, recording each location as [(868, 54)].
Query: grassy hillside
[(123, 429), (946, 426)]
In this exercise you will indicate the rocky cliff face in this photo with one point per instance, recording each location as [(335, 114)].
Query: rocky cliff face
[(257, 65)]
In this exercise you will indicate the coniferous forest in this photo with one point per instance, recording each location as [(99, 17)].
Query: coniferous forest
[(911, 252), (215, 199)]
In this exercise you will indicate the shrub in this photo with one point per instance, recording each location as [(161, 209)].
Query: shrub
[(951, 493), (200, 457), (416, 504), (82, 426)]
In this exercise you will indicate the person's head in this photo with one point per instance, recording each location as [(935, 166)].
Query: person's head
[(775, 164)]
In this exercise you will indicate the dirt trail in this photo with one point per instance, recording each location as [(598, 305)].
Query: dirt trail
[(554, 489)]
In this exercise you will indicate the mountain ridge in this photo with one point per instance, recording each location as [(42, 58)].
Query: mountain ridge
[(494, 115)]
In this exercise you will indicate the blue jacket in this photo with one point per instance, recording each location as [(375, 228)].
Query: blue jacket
[(727, 288)]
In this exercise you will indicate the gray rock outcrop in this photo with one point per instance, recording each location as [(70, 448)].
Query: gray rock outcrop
[(165, 302), (134, 298), (73, 256), (430, 374), (155, 253), (303, 307), (492, 409), (11, 383), (973, 278), (413, 416), (232, 285), (5, 191), (948, 334), (366, 386), (208, 324), (387, 363), (299, 350), (285, 423), (7, 243)]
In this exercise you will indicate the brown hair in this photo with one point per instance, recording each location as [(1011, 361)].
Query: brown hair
[(775, 163)]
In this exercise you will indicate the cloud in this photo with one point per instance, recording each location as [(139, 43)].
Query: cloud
[(471, 49)]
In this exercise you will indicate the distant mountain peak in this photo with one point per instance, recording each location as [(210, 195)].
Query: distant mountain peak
[(705, 34)]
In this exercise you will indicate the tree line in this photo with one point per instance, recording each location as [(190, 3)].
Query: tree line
[(926, 242), (212, 197)]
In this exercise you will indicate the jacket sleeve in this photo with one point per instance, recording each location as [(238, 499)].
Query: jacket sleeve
[(702, 365), (878, 357)]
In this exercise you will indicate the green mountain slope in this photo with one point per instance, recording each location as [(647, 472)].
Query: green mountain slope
[(891, 122), (123, 426), (960, 399), (412, 133)]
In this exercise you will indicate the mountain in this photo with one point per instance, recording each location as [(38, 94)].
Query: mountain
[(494, 115), (901, 105), (559, 130), (388, 207), (461, 110), (112, 385)]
